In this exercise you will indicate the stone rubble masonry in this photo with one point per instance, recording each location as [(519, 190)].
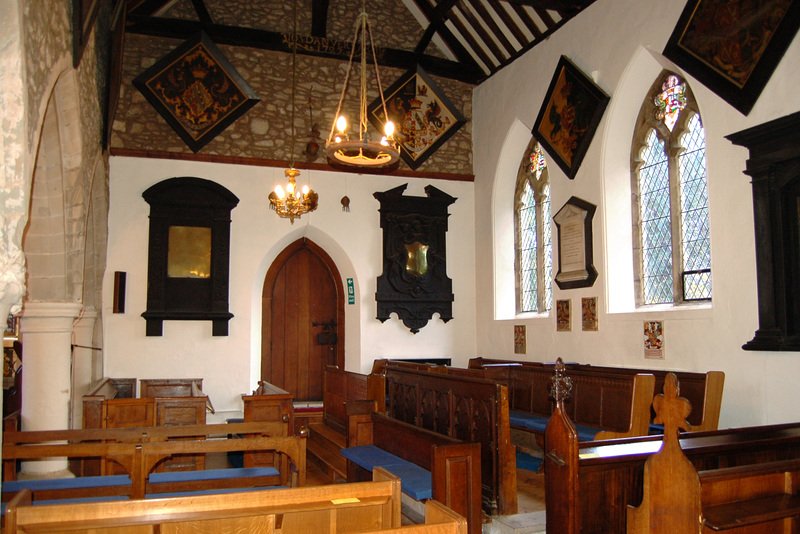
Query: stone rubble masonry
[(265, 131)]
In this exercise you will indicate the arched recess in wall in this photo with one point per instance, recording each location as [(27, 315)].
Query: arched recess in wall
[(352, 313), (53, 230), (637, 79), (505, 181)]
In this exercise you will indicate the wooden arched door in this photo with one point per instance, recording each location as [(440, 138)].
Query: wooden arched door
[(302, 328)]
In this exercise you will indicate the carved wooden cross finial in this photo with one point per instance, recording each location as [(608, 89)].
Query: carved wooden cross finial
[(560, 384), (672, 409)]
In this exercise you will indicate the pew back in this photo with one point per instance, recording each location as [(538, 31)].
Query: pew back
[(607, 474), (702, 390), (343, 386), (323, 509), (465, 408)]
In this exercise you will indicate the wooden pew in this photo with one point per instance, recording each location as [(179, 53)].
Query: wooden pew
[(162, 402), (589, 484), (271, 406), (702, 390), (430, 465), (359, 507), (326, 439), (140, 451), (676, 498), (468, 409)]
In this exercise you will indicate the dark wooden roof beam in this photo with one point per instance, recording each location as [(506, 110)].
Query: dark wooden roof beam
[(202, 11), (477, 49), (509, 22), (480, 30), (461, 53), (484, 15), (529, 22), (319, 18), (570, 6), (311, 46)]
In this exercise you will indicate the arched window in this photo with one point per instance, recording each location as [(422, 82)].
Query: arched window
[(672, 246), (534, 258)]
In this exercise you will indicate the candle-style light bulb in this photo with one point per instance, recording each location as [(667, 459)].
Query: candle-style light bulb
[(341, 124), (279, 192), (389, 129)]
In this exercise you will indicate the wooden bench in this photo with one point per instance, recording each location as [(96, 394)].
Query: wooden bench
[(468, 409), (271, 406), (341, 508), (589, 485), (702, 390), (361, 507), (326, 439), (140, 451), (676, 498), (429, 465), (603, 405), (162, 402)]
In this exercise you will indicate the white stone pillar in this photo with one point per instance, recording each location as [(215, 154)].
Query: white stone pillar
[(82, 356), (46, 334)]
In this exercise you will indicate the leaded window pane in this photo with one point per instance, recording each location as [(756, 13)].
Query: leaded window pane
[(527, 251), (547, 250), (654, 202), (695, 228)]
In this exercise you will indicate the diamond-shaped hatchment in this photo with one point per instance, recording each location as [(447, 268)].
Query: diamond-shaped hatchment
[(197, 91)]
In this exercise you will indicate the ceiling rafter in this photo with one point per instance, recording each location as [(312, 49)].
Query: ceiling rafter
[(484, 14), (482, 35), (488, 41), (319, 18), (267, 40)]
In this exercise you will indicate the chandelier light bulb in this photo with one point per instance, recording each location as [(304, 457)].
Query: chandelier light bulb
[(389, 129), (341, 124), (279, 192), (384, 141), (290, 188), (305, 190)]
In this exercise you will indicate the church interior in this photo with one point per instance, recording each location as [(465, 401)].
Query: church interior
[(582, 200)]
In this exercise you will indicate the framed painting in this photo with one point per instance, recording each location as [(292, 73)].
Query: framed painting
[(733, 47), (197, 91), (84, 13), (572, 109), (423, 117)]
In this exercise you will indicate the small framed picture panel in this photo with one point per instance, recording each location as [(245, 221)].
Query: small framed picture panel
[(563, 315), (568, 118), (737, 58), (589, 314)]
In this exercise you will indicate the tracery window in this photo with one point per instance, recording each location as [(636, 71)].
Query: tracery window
[(671, 225), (534, 259)]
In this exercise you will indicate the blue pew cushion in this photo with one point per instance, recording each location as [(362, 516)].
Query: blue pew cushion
[(538, 423), (67, 483), (212, 474), (415, 481)]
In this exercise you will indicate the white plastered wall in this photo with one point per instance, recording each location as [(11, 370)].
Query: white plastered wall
[(230, 365), (619, 43)]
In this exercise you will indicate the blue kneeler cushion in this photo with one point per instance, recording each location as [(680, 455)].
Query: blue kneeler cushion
[(212, 474), (538, 423), (415, 481)]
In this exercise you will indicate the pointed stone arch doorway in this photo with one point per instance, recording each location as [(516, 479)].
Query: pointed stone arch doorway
[(302, 328)]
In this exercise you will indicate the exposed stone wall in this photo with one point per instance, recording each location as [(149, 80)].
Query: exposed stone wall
[(78, 95), (265, 131)]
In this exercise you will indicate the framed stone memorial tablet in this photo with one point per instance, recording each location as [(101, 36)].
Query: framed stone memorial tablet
[(575, 254)]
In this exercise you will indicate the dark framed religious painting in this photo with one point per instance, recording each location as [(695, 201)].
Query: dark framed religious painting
[(423, 117), (733, 47), (568, 118), (84, 13), (197, 91)]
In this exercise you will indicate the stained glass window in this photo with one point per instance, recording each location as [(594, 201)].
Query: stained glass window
[(534, 244), (673, 231), (670, 101)]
